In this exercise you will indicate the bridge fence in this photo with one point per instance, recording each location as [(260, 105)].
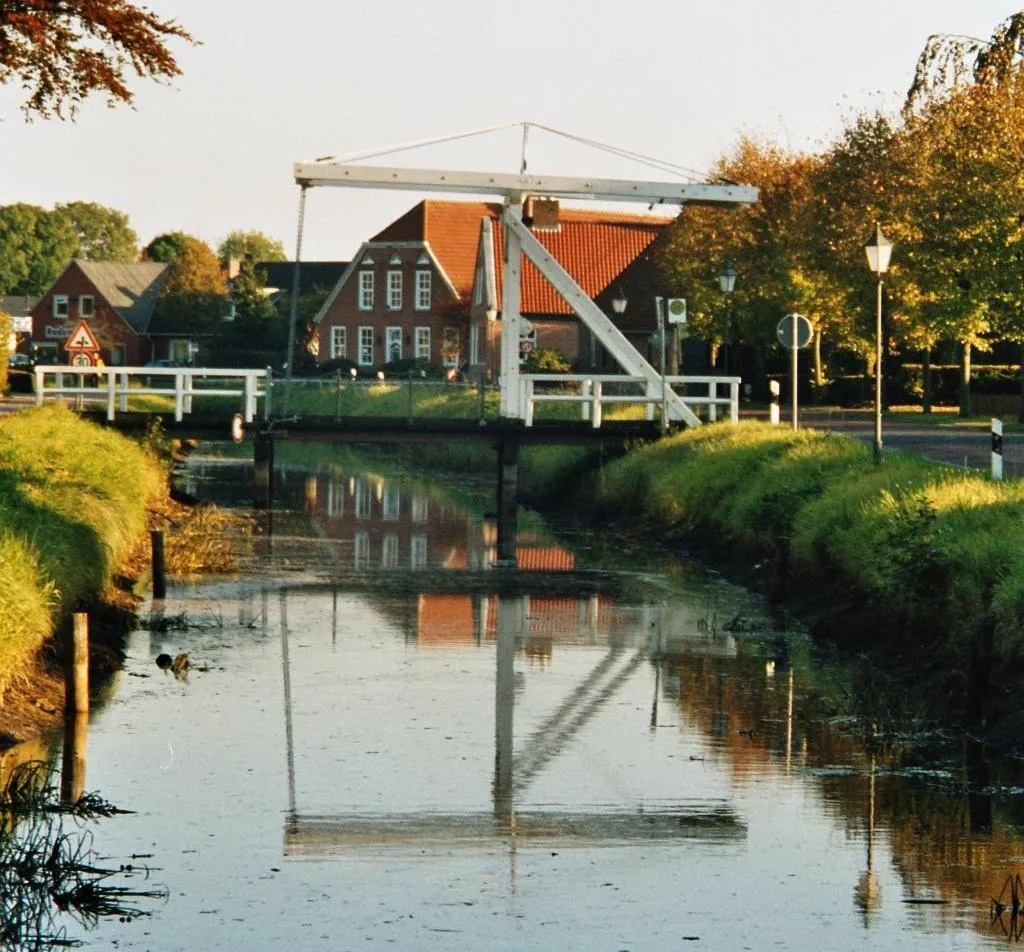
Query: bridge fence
[(117, 384)]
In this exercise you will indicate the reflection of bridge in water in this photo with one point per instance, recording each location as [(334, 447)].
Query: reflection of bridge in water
[(581, 825)]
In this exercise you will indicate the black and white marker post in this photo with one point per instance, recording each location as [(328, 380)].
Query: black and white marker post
[(997, 448)]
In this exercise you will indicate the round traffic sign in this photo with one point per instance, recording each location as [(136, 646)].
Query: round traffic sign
[(81, 359), (794, 327)]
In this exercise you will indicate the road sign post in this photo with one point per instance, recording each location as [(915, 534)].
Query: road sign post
[(794, 331)]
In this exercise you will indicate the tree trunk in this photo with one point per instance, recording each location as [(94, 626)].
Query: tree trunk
[(926, 402), (965, 380)]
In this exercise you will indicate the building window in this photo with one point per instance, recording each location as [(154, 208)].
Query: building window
[(361, 550), (423, 343), (60, 305), (365, 290), (365, 346), (420, 508), (339, 342), (391, 504), (422, 290), (418, 551), (389, 551), (364, 499), (394, 290), (85, 305)]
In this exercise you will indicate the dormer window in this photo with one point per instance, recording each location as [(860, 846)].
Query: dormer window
[(367, 261), (395, 260), (60, 306), (85, 305)]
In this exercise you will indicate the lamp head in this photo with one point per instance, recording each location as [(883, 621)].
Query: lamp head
[(878, 251)]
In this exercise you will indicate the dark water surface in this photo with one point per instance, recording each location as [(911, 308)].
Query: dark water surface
[(380, 745)]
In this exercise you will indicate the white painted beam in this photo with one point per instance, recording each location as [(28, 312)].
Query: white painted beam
[(613, 340), (517, 186)]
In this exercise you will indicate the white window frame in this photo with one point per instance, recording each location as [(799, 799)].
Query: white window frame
[(365, 290), (423, 290), (418, 551), (361, 549), (60, 306), (391, 504), (389, 551), (86, 305), (364, 500), (365, 346), (422, 343), (394, 279), (392, 338), (339, 341), (474, 343)]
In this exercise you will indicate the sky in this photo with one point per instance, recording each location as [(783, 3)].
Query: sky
[(273, 84)]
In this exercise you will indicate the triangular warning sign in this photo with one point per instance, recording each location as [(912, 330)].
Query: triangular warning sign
[(81, 338)]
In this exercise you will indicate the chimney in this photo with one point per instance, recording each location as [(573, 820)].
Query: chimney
[(541, 214)]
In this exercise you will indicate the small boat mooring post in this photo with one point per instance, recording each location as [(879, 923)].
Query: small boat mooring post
[(76, 710), (508, 477), (263, 470)]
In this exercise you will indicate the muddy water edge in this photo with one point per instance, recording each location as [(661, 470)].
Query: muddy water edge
[(372, 737)]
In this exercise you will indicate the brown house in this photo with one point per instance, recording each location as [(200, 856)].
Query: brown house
[(429, 285), (115, 299)]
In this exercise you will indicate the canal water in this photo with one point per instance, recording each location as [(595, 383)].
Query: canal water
[(381, 741)]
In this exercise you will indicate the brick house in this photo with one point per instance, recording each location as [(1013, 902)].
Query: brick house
[(116, 300), (429, 285)]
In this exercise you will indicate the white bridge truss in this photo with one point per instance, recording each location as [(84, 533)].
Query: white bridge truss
[(519, 241)]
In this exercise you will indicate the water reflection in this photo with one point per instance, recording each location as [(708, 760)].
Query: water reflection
[(652, 706)]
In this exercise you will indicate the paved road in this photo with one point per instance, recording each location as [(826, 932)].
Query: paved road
[(947, 443)]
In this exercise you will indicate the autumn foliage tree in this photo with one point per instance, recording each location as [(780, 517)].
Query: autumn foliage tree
[(194, 295), (61, 51)]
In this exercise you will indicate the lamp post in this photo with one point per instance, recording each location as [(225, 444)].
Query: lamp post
[(878, 250), (727, 282)]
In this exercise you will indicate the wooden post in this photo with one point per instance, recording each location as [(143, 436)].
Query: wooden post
[(76, 710), (156, 537)]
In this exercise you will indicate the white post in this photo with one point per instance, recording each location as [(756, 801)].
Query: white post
[(597, 413), (587, 393), (510, 303), (793, 371), (527, 384), (250, 397), (124, 391), (734, 401), (713, 404), (179, 396), (189, 379), (997, 448), (40, 385), (773, 388), (111, 391)]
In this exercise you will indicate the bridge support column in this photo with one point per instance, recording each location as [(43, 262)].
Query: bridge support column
[(508, 478), (263, 471)]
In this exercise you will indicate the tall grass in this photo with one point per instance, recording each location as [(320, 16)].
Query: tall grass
[(938, 550), (72, 504)]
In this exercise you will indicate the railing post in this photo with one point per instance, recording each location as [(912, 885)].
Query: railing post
[(188, 380), (734, 401), (40, 385), (249, 407), (124, 392), (179, 396), (586, 390), (268, 392), (713, 402), (527, 414), (111, 391), (596, 412)]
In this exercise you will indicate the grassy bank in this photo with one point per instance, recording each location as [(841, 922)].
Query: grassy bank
[(73, 503), (912, 550)]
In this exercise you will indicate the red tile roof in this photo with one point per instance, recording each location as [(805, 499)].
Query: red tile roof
[(593, 246)]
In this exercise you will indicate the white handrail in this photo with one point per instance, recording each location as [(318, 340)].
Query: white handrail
[(115, 383), (591, 393)]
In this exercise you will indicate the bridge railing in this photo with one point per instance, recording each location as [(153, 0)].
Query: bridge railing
[(593, 391), (116, 385)]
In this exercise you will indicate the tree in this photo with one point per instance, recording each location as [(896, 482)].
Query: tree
[(35, 246), (103, 233), (165, 248), (251, 246), (61, 52)]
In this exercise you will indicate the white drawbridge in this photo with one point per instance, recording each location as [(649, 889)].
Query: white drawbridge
[(519, 240)]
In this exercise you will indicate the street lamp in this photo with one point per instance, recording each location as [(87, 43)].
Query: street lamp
[(878, 250), (727, 282), (618, 302)]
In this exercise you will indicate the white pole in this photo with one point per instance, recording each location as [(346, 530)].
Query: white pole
[(793, 371)]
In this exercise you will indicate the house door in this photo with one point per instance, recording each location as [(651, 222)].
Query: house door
[(394, 345)]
